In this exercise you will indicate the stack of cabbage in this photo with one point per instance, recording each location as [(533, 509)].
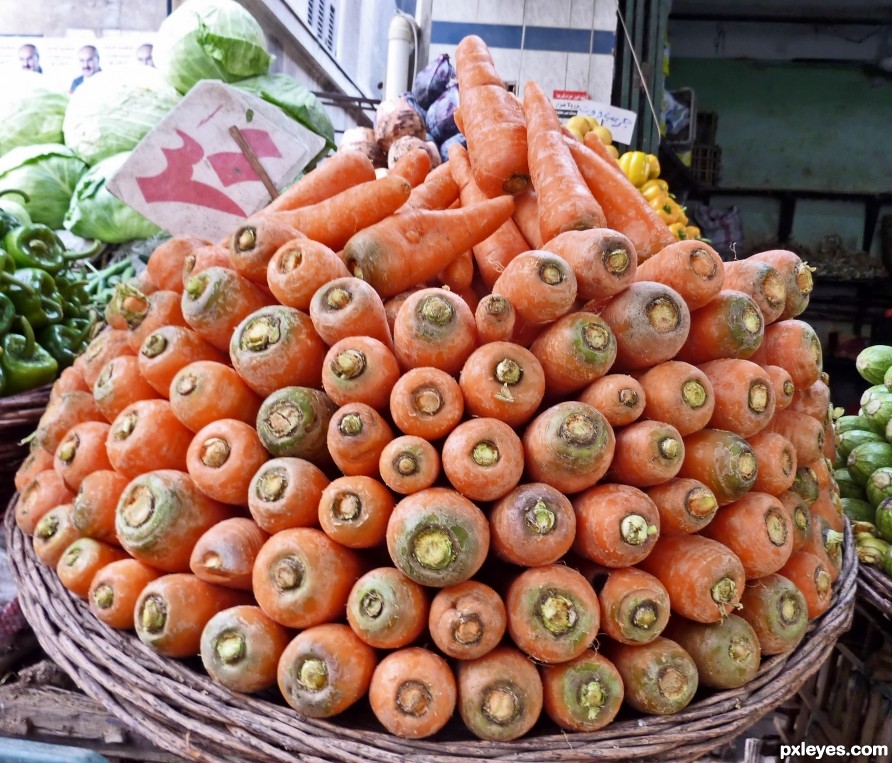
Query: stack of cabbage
[(62, 150)]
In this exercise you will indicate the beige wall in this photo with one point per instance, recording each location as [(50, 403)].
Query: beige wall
[(55, 18)]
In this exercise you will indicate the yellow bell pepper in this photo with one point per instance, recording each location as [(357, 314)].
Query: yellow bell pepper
[(613, 151), (679, 231), (653, 189), (636, 167), (693, 231), (678, 211), (664, 208), (653, 165)]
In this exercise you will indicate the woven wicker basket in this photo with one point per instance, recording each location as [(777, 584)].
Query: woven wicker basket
[(875, 588), (179, 709), (19, 415)]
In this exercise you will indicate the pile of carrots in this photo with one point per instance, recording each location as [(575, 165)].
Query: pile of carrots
[(484, 438)]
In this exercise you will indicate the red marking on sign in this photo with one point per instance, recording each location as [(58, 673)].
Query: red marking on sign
[(233, 166), (569, 95), (175, 182)]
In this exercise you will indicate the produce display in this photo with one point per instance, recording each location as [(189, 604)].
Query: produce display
[(478, 441), (863, 468)]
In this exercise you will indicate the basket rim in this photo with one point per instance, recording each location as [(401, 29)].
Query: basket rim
[(875, 587), (182, 711)]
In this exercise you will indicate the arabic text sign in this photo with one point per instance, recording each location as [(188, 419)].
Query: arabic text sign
[(620, 122), (189, 176)]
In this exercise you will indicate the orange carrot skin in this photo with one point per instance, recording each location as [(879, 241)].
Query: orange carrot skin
[(692, 268), (409, 464), (241, 647), (677, 394), (777, 462), (143, 422), (426, 402), (354, 511), (299, 268), (71, 379), (346, 307), (634, 606), (386, 609), (438, 191), (162, 308), (204, 391), (797, 274), (793, 345), (165, 265), (107, 345), (115, 588), (160, 517), (495, 318), (467, 620), (686, 505), (542, 286), (54, 533), (360, 370), (744, 395), (337, 173), (82, 560), (205, 257), (252, 245), (62, 413), (119, 384), (777, 612), (44, 492), (483, 459), (604, 261), (728, 326), (723, 461), (647, 453), (804, 433), (809, 574), (574, 351), (800, 517), (167, 350), (37, 460), (82, 451), (357, 435), (96, 502), (172, 611), (399, 679), (225, 553), (526, 218), (325, 669), (285, 493), (784, 389), (814, 401), (566, 684), (618, 397), (222, 457), (764, 283)]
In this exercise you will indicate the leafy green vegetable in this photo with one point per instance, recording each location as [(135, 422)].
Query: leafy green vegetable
[(48, 173), (210, 39), (113, 110), (96, 213), (30, 113)]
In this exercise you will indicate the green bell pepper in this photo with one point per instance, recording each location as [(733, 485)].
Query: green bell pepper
[(36, 246), (26, 364), (13, 209), (7, 314), (35, 297), (65, 341)]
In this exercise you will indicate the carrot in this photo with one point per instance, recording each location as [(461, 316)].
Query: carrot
[(37, 460), (165, 265), (764, 283), (794, 346), (499, 694), (146, 436), (723, 461), (494, 317), (526, 218), (583, 694), (160, 517), (386, 609), (167, 350), (216, 300), (434, 328), (729, 326), (335, 220), (71, 379), (685, 505), (574, 351), (805, 433), (380, 254), (95, 504), (253, 244), (616, 525), (147, 313), (299, 268), (704, 578), (107, 345), (777, 462), (809, 574), (650, 322), (302, 577), (458, 275), (798, 277), (692, 268), (467, 620), (532, 525), (172, 611), (784, 389), (277, 346), (591, 141), (483, 459), (497, 147), (225, 554), (293, 421), (503, 381), (776, 611), (346, 307), (437, 537), (354, 511), (285, 493), (494, 252), (634, 606), (46, 491), (726, 653), (357, 434), (800, 517), (541, 286), (81, 452), (119, 384), (324, 670), (826, 543), (222, 458), (568, 446), (413, 693), (744, 395), (647, 453), (757, 530), (413, 166), (438, 191), (205, 257), (426, 402), (618, 397), (82, 560), (115, 588), (814, 401), (241, 647), (206, 390), (624, 206), (565, 202), (338, 172), (62, 413), (678, 394), (827, 509), (805, 484), (553, 613), (54, 533), (409, 464), (359, 369), (604, 260)]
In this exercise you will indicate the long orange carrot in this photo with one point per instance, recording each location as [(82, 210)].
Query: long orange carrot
[(605, 262), (338, 172), (438, 191)]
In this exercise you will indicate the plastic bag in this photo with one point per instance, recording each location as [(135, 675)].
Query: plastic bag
[(432, 80), (722, 227), (441, 115)]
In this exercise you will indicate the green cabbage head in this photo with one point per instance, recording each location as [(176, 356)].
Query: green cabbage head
[(30, 113)]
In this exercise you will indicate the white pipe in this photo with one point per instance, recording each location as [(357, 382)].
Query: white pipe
[(401, 37), (423, 14)]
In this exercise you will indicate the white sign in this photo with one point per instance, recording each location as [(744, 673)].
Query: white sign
[(189, 175), (620, 122)]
